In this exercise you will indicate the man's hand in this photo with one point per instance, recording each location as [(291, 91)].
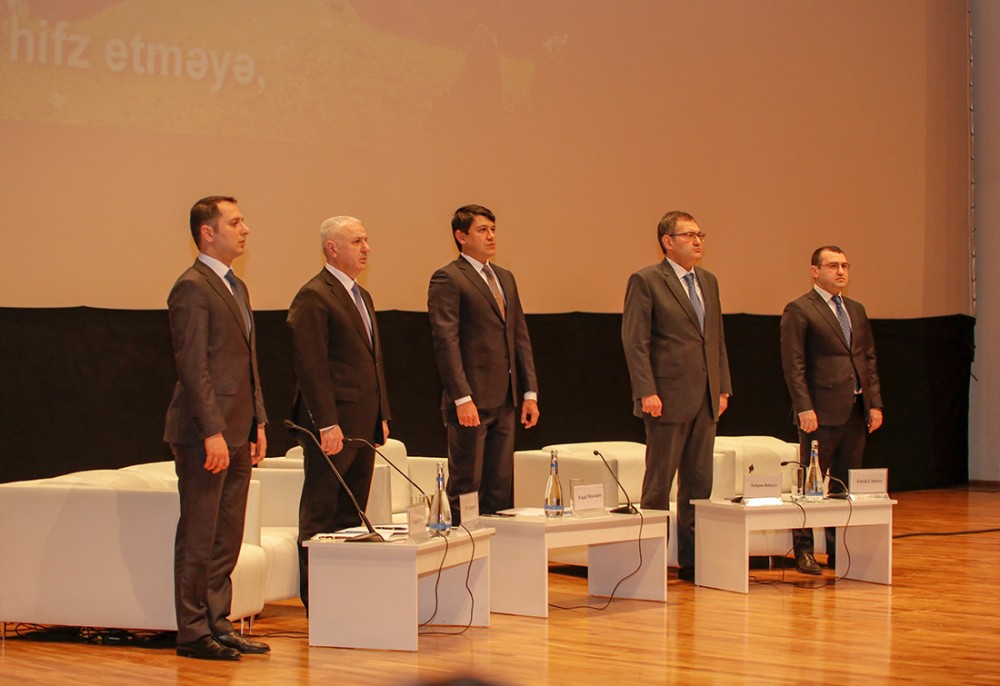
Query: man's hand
[(723, 403), (332, 440), (529, 413), (874, 419), (652, 405), (216, 453), (808, 421), (385, 434), (258, 449), (467, 413)]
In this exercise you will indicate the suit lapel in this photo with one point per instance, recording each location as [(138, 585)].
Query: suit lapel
[(681, 294), (823, 308), (223, 292), (346, 301), (480, 283)]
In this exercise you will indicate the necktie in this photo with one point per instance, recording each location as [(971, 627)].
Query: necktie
[(699, 309), (241, 297), (845, 323), (362, 310), (492, 281)]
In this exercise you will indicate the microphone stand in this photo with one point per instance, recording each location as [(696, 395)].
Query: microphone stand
[(393, 465), (624, 509), (372, 536)]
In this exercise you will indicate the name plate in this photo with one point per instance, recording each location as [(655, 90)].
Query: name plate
[(588, 500), (468, 505), (762, 489), (868, 483)]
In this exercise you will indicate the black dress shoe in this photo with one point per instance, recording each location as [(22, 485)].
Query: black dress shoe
[(686, 573), (244, 645), (806, 564), (207, 648)]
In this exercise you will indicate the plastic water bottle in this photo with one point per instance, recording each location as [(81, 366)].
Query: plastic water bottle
[(814, 477), (553, 489), (439, 521)]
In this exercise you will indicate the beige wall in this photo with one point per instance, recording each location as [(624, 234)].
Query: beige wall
[(780, 124)]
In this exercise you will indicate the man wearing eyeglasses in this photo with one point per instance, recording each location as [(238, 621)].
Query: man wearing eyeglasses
[(828, 358), (675, 349)]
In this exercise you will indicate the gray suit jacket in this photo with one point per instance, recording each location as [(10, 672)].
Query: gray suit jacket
[(821, 372), (665, 349), (478, 353), (339, 371), (218, 387)]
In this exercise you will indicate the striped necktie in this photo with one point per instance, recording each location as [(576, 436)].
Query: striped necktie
[(699, 309)]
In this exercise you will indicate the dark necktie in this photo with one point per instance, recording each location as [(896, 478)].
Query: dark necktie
[(845, 323), (699, 309), (241, 297), (492, 281), (362, 310)]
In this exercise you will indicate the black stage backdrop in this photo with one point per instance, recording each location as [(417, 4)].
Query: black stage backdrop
[(84, 388)]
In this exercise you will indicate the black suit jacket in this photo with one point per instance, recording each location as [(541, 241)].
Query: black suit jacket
[(339, 371), (821, 371), (218, 387), (478, 353), (666, 351)]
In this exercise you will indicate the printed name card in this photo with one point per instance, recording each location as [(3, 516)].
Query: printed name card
[(588, 499), (468, 505), (762, 489), (868, 483)]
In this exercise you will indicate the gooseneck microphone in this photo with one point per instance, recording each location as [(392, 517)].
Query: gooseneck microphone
[(392, 464), (624, 509), (372, 536)]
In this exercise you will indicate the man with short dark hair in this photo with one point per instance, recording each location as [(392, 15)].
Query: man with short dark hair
[(675, 349), (484, 357), (215, 428), (828, 358), (337, 355)]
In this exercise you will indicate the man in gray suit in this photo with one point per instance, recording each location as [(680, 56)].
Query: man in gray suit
[(675, 349), (337, 355), (215, 428), (484, 358), (828, 358)]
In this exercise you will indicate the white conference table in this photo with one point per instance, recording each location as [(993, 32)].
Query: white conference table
[(722, 533), (375, 595), (520, 567)]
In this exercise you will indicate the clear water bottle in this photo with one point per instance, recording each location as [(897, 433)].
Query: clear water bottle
[(553, 489), (439, 521), (814, 477)]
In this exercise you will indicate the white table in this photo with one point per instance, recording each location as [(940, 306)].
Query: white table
[(519, 562), (374, 595), (722, 531)]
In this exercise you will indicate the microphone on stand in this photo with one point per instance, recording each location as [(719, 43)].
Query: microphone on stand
[(391, 464), (624, 509), (372, 536)]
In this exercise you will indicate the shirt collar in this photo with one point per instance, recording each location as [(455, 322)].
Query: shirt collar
[(343, 278), (679, 270), (214, 264)]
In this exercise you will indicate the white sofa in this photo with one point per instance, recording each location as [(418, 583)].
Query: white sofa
[(96, 548)]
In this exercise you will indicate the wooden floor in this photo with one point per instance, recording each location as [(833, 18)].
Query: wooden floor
[(938, 623)]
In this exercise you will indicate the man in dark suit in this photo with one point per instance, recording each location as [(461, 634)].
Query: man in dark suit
[(337, 355), (675, 349), (484, 357), (215, 428), (828, 358)]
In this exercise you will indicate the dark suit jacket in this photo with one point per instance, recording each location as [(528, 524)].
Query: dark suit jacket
[(478, 353), (340, 377), (218, 387), (820, 370), (665, 349)]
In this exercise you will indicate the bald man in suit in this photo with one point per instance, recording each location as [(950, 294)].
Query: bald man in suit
[(675, 349), (828, 359), (215, 428), (337, 355), (484, 357)]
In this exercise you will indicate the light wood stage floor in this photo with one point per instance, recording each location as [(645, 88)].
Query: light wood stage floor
[(939, 623)]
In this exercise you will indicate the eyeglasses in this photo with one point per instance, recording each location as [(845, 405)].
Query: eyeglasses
[(837, 265), (690, 235)]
